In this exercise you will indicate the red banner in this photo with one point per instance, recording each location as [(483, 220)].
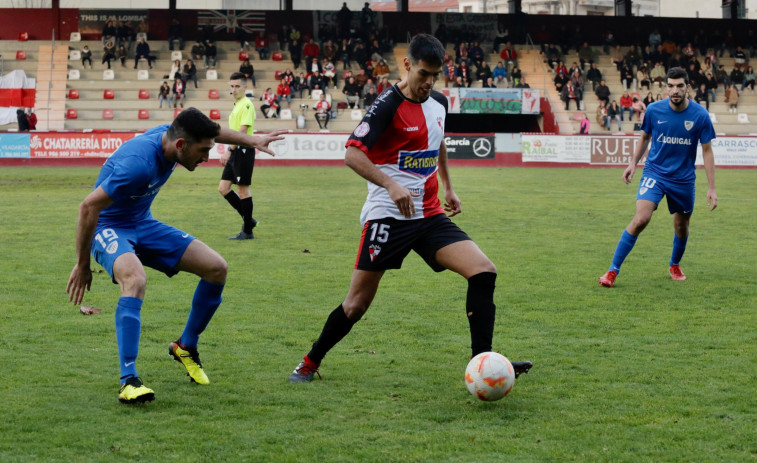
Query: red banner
[(76, 145), (17, 97)]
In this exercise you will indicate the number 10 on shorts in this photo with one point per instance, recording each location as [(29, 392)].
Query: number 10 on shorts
[(646, 184)]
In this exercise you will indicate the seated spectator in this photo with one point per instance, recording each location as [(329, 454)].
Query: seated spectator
[(351, 93), (374, 51), (361, 78), (616, 56), (122, 53), (552, 55), (288, 75), (483, 72), (110, 29), (521, 81), (125, 35), (86, 55), (368, 85), (458, 83), (509, 56), (299, 84), (461, 53), (189, 72), (248, 70), (560, 67), (368, 68), (649, 99), (381, 70), (732, 98), (465, 73), (450, 72), (642, 77), (516, 76), (737, 76), (198, 51), (707, 66), (568, 94), (633, 57), (574, 68), (360, 54), (578, 84), (602, 117), (179, 91), (270, 107), (489, 83), (329, 50), (317, 82), (143, 52), (626, 77), (659, 97), (109, 52), (240, 34), (701, 96), (164, 93), (261, 45), (648, 57), (594, 75), (283, 92), (721, 76), (322, 112), (603, 92), (639, 108), (382, 86), (476, 54), (329, 72), (613, 114), (626, 105), (175, 33), (499, 73), (175, 70), (740, 57), (211, 55), (749, 79), (560, 80), (313, 65), (658, 74)]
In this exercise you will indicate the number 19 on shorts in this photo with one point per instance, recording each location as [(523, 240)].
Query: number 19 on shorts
[(107, 239)]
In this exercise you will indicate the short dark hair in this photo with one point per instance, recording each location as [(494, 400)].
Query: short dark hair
[(678, 73), (239, 76), (193, 126), (426, 47)]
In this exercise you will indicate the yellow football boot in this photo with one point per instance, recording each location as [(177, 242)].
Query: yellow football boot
[(191, 361), (133, 392)]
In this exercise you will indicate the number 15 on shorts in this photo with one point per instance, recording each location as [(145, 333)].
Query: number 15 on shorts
[(379, 232)]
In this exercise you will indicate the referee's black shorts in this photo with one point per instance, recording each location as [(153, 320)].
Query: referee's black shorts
[(238, 169)]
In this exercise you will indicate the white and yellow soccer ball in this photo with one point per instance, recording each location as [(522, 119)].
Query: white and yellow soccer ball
[(489, 376)]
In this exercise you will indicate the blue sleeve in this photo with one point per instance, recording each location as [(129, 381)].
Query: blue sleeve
[(708, 131), (129, 177), (648, 122)]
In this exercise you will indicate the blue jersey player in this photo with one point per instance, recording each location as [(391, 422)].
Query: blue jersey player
[(115, 224), (674, 126)]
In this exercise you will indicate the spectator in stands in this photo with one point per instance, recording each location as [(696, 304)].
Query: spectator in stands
[(248, 70), (109, 52), (721, 76), (659, 97), (568, 94), (521, 82), (560, 80), (516, 77), (707, 66), (626, 76), (626, 104), (175, 70), (345, 52), (594, 75), (639, 108), (109, 32), (499, 74), (658, 74), (382, 86), (189, 72), (317, 82), (489, 83), (501, 36), (578, 84), (86, 55), (574, 68), (560, 67), (322, 112), (312, 65), (381, 71), (211, 55), (261, 45), (164, 93), (647, 57), (552, 55), (450, 72), (329, 50), (198, 51), (461, 53), (465, 73), (616, 56), (329, 72), (23, 121), (175, 33), (696, 77), (310, 51), (633, 57), (294, 34), (740, 57), (143, 52), (369, 98), (458, 83), (351, 93), (122, 54), (125, 35), (344, 18), (270, 107), (367, 17), (483, 72), (585, 124), (361, 78), (732, 98), (368, 85), (649, 99), (603, 92), (509, 56), (242, 37), (375, 51), (602, 117), (295, 52), (749, 79), (642, 77), (299, 84), (476, 54), (179, 90), (701, 96), (586, 55), (613, 114), (32, 118), (654, 38), (288, 75), (737, 76), (283, 92)]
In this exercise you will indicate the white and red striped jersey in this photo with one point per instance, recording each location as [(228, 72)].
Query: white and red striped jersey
[(402, 138)]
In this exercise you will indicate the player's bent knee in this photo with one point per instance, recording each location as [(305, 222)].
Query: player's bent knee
[(355, 310), (217, 271)]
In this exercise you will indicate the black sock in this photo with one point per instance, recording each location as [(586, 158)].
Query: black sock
[(480, 308), (246, 211), (234, 200), (337, 326)]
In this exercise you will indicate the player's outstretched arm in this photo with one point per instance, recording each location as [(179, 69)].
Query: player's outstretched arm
[(709, 169), (452, 203), (641, 149), (259, 142), (81, 275)]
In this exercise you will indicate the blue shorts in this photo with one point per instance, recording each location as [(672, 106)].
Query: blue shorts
[(156, 244), (680, 195)]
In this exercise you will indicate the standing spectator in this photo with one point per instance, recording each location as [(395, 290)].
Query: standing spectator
[(613, 114), (122, 54), (198, 51), (248, 71), (345, 52), (721, 76), (552, 55), (639, 108), (654, 38), (594, 75), (500, 37), (603, 92), (367, 17), (626, 105), (295, 52), (749, 79), (344, 18), (261, 45), (586, 55), (109, 32), (189, 72), (351, 93), (283, 92), (701, 96), (86, 55), (270, 107), (23, 121), (143, 52), (295, 34), (585, 125), (109, 52), (211, 55), (311, 50), (322, 112), (164, 93), (31, 118), (179, 90), (125, 35), (732, 98), (381, 71), (578, 84), (175, 33)]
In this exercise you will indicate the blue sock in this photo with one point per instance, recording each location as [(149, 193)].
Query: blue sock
[(625, 245), (127, 334), (206, 300), (679, 247)]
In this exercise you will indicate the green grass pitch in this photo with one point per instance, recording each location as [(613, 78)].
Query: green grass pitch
[(652, 370)]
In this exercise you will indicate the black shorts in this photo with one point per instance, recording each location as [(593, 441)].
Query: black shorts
[(386, 242), (238, 169)]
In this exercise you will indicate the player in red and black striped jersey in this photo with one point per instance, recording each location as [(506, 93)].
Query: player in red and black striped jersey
[(399, 149)]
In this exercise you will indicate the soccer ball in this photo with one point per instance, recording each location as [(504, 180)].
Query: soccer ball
[(489, 376)]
